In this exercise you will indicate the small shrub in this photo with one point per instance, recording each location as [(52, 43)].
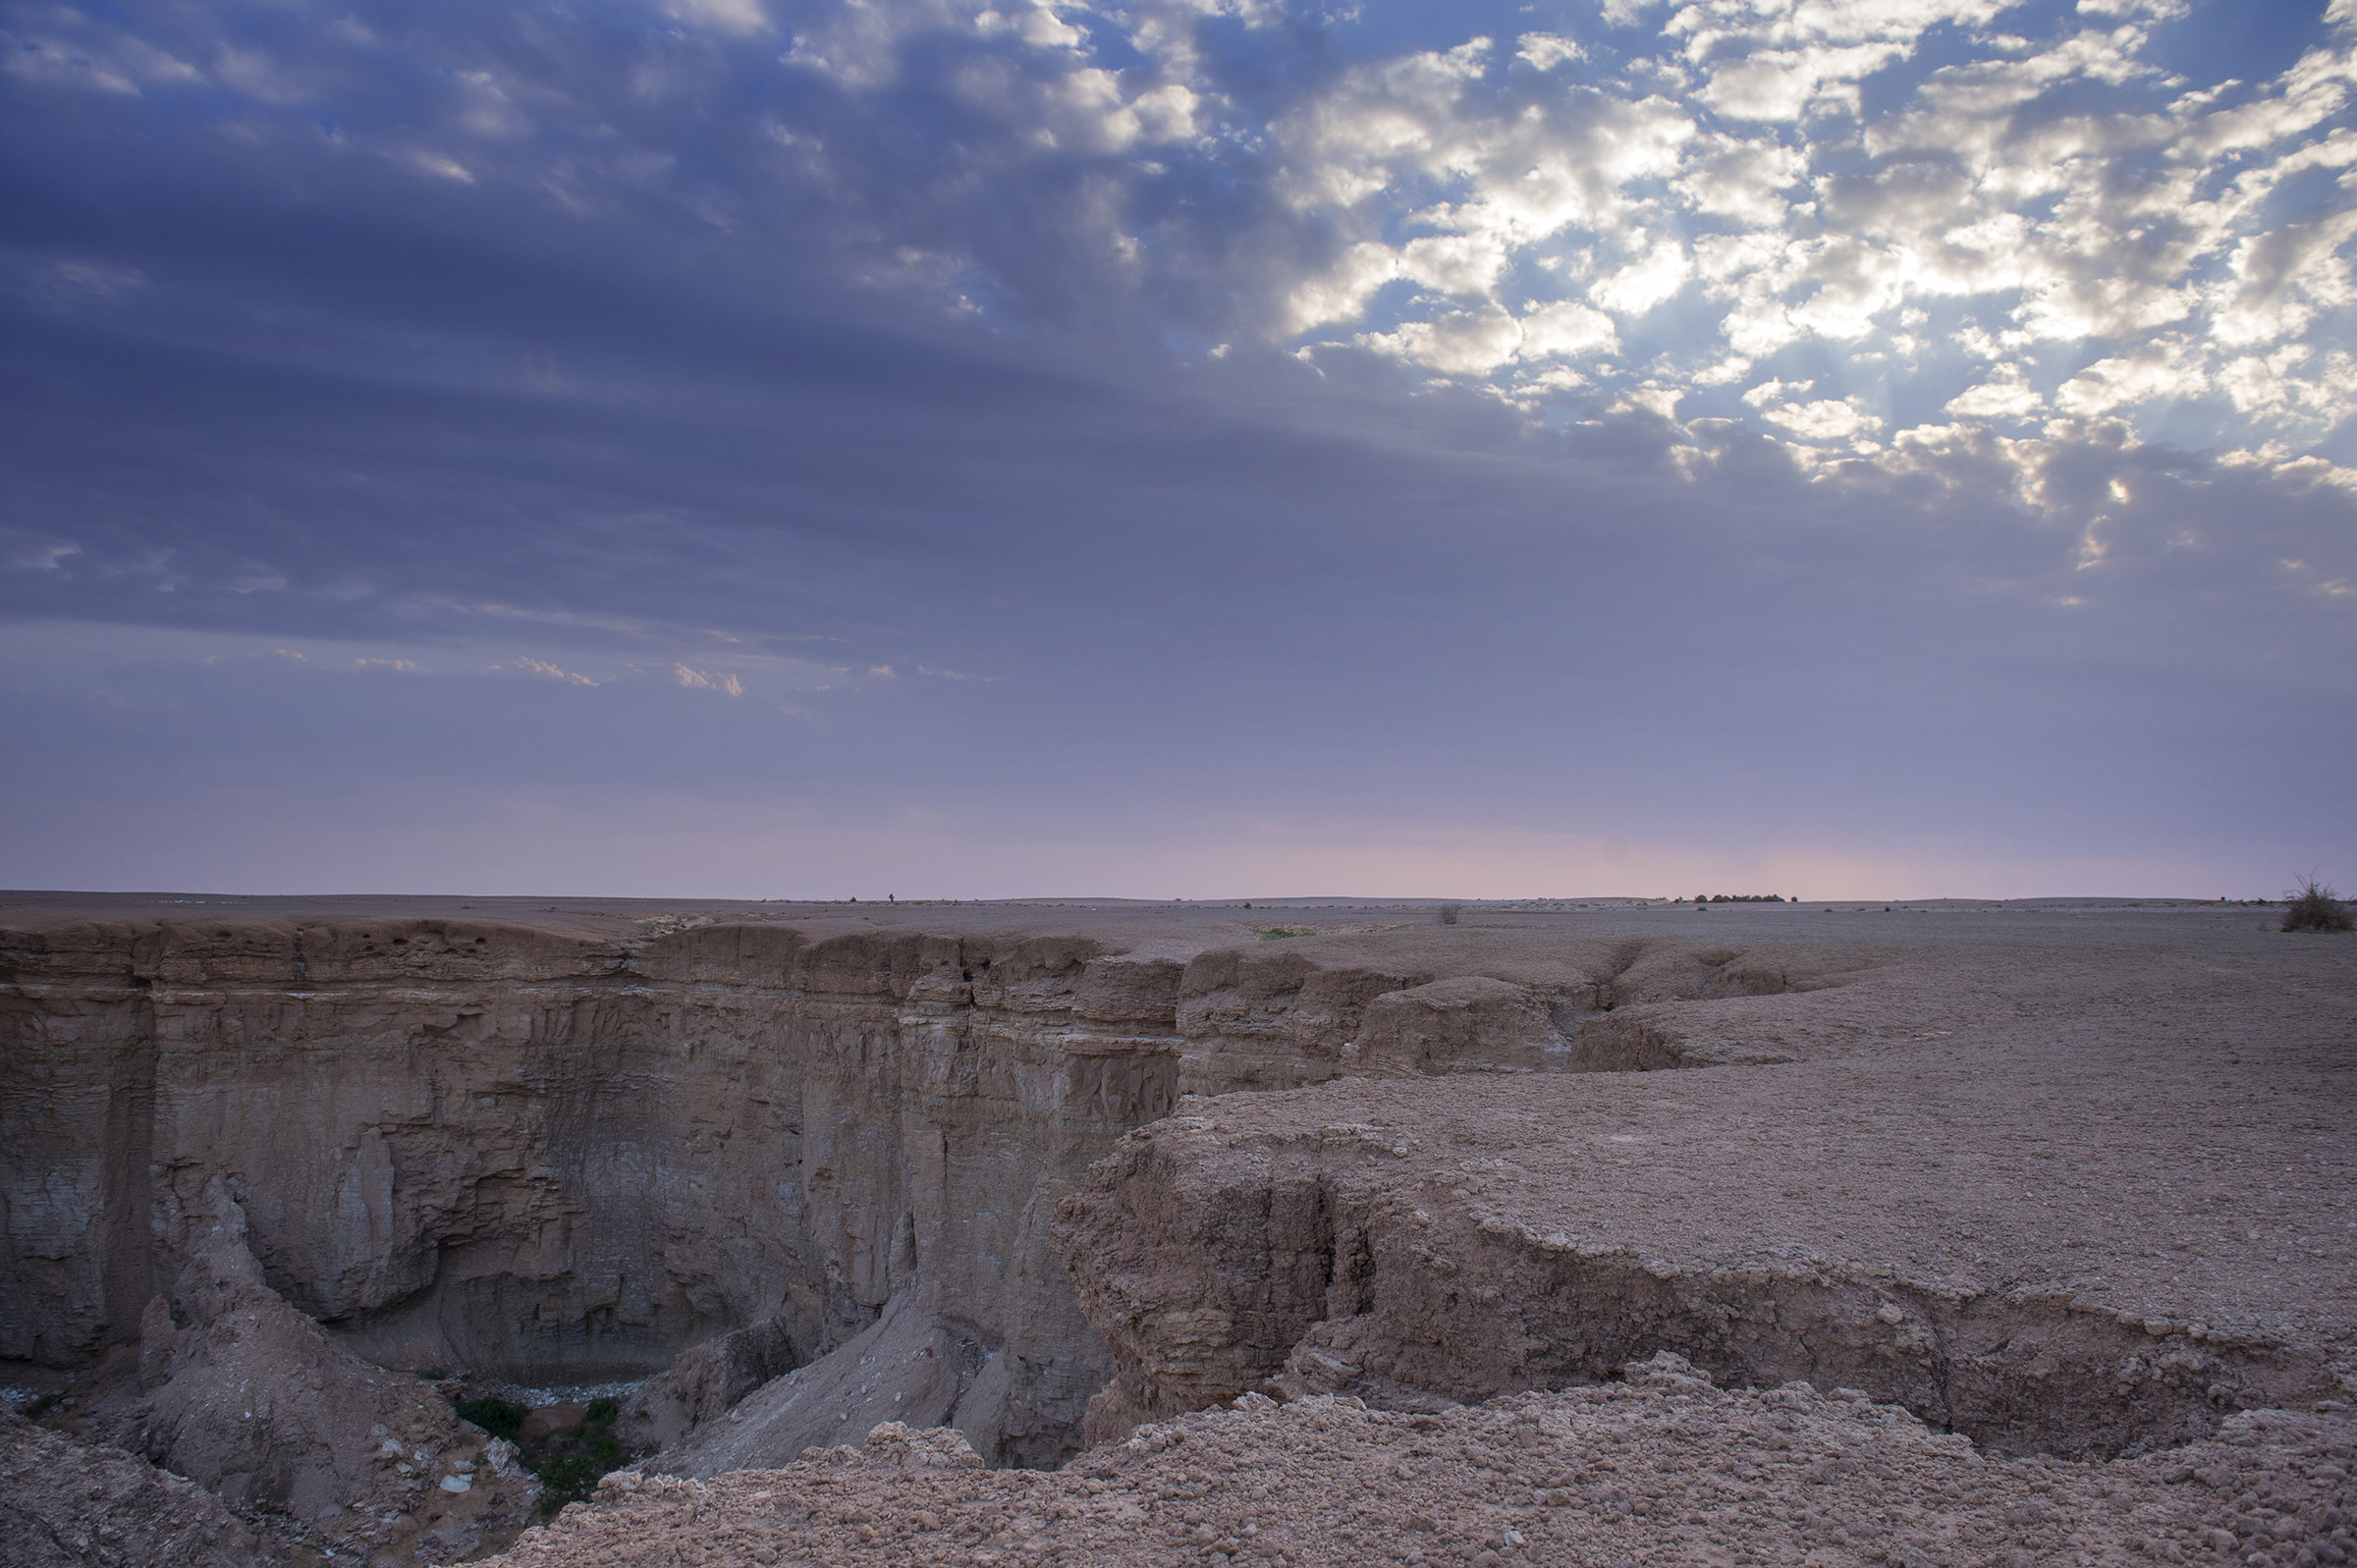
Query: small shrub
[(494, 1415), (1280, 933), (1450, 912), (434, 1374), (2313, 906), (41, 1407), (568, 1478), (574, 1461)]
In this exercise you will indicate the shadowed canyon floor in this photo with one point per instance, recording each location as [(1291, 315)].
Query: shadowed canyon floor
[(1546, 1235)]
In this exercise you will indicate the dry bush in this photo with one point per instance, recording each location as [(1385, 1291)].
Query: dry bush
[(1450, 912), (2313, 906)]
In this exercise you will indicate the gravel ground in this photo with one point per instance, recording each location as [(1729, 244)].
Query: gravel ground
[(1661, 1468)]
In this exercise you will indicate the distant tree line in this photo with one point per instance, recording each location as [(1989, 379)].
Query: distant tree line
[(1743, 897)]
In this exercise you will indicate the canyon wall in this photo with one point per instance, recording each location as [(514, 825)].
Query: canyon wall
[(552, 1158)]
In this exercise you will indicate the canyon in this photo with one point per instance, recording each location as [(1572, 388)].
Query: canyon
[(2067, 1182)]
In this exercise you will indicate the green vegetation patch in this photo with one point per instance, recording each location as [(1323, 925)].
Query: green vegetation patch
[(569, 1464), (494, 1415)]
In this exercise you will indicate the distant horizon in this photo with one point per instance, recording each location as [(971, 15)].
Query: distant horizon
[(1240, 902)]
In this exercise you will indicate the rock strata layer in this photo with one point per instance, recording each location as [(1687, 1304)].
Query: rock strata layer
[(558, 1157), (2094, 1212)]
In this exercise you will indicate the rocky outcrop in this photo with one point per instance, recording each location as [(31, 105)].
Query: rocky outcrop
[(482, 1146), (705, 1383), (1658, 1465), (911, 1367), (65, 1504), (242, 1395), (2089, 1241)]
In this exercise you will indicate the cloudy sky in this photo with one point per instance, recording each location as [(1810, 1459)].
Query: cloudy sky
[(808, 448)]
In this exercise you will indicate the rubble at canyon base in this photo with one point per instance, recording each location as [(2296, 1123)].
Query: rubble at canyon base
[(63, 1502)]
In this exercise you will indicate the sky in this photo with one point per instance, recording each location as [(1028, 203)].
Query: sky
[(1179, 448)]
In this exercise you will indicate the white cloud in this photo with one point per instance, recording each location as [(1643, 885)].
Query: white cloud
[(1567, 329), (2276, 389), (2125, 10), (704, 681), (2051, 197), (2169, 369), (722, 16), (529, 665), (1826, 419), (1746, 180), (1456, 342), (1037, 25), (1343, 291), (2282, 279), (1544, 51), (1780, 60), (1768, 392), (2006, 394), (1653, 279)]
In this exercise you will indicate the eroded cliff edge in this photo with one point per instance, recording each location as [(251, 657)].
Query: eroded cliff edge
[(554, 1156), (2091, 1203)]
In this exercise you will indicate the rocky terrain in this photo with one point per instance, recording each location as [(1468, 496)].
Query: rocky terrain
[(1658, 1466), (63, 1502), (2068, 1184)]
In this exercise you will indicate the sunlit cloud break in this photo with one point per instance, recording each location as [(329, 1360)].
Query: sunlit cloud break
[(2048, 232)]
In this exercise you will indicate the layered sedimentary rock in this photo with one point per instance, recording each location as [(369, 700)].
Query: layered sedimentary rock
[(550, 1156), (486, 1147), (2061, 1201), (2063, 1187)]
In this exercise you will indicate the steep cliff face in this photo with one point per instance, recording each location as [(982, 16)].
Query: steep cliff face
[(551, 1158), (557, 1157)]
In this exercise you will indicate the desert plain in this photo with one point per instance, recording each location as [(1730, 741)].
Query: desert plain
[(1070, 1231)]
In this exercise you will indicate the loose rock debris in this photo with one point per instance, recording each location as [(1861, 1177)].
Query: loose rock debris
[(63, 1502), (1662, 1467)]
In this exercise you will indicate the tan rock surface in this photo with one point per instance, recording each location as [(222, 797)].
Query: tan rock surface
[(2079, 1192)]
